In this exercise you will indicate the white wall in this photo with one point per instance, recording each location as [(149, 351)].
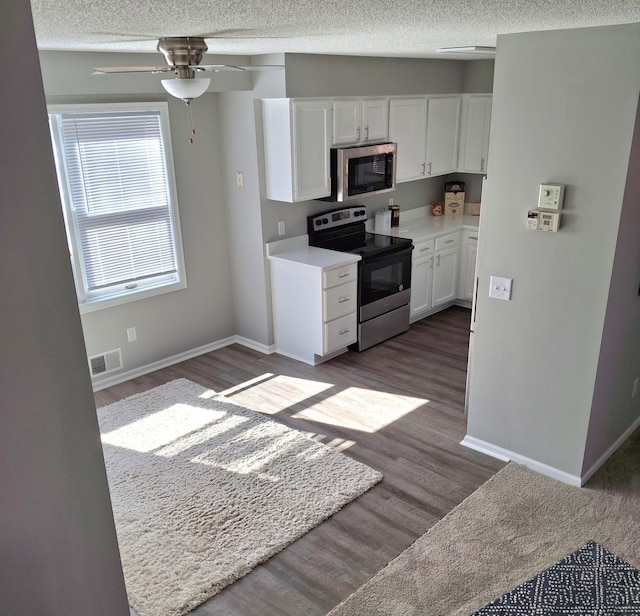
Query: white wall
[(58, 547), (563, 111)]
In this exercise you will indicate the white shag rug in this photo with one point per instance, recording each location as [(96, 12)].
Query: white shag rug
[(203, 490)]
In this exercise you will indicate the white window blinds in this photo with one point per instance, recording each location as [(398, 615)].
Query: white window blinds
[(118, 198)]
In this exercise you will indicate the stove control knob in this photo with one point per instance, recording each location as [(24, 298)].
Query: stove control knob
[(325, 220), (363, 212), (318, 222), (357, 213)]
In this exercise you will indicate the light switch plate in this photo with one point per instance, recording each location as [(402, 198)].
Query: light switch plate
[(500, 288)]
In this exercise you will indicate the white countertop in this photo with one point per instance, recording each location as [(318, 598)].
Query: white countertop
[(418, 224), (297, 249)]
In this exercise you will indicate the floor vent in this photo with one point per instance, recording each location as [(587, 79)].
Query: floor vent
[(105, 362)]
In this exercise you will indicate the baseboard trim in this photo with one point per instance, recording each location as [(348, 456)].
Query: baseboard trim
[(510, 456), (609, 452), (99, 384)]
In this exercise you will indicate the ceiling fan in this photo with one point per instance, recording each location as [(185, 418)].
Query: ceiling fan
[(183, 55)]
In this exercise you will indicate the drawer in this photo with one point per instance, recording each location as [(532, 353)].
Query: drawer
[(447, 241), (422, 250), (339, 275), (340, 300), (340, 333)]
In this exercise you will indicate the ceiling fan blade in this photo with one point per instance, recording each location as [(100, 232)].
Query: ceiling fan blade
[(105, 70), (231, 67)]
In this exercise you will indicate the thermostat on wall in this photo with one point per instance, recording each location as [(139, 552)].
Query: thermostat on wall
[(551, 196), (548, 221)]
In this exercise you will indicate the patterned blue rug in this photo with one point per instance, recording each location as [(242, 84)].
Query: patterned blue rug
[(590, 582)]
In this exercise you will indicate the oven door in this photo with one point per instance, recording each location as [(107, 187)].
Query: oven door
[(384, 283)]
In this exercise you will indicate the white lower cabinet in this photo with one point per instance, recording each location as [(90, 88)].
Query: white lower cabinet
[(468, 264), (434, 274), (314, 308), (445, 269), (421, 278)]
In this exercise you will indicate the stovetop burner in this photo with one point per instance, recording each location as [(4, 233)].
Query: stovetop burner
[(344, 230)]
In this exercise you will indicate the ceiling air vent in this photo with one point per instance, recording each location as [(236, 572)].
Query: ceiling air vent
[(106, 362)]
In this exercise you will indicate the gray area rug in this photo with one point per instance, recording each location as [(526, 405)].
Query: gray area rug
[(203, 490), (514, 526)]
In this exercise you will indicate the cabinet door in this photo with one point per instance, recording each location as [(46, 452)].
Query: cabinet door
[(443, 133), (346, 122), (474, 137), (471, 254), (408, 128), (445, 267), (375, 119), (421, 284), (311, 143)]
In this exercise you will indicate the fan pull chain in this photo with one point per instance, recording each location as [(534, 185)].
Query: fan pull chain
[(192, 130)]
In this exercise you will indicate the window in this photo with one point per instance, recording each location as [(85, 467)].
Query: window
[(115, 173)]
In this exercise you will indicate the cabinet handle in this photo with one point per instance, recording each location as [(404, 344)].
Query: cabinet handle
[(366, 133), (482, 164), (429, 168), (424, 249), (342, 332), (344, 299), (423, 168), (344, 274), (473, 237), (449, 241), (438, 260)]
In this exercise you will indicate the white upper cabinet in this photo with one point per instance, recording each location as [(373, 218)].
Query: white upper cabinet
[(427, 132), (443, 132), (297, 139), (408, 128), (358, 121), (474, 134)]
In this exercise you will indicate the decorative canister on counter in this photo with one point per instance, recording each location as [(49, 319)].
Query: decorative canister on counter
[(453, 198), (436, 209), (395, 215)]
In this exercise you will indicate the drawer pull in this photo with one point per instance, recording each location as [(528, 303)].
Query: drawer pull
[(344, 299), (473, 237), (342, 332), (343, 274), (449, 241), (424, 249)]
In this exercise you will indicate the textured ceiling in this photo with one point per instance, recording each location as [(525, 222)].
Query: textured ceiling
[(403, 28)]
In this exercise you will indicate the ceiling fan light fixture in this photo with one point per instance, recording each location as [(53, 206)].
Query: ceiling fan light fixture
[(186, 89)]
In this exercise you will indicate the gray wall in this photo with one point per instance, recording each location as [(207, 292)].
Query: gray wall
[(203, 313), (57, 538), (563, 111), (613, 409)]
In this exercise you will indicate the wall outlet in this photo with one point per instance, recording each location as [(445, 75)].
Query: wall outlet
[(282, 227), (636, 385), (132, 336), (239, 179)]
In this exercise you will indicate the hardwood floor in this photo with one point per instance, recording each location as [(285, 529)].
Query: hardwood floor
[(398, 407)]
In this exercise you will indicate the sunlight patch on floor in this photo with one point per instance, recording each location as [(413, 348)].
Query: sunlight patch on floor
[(361, 409), (162, 428), (271, 396)]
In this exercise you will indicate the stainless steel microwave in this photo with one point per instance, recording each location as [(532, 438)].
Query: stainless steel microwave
[(360, 171)]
